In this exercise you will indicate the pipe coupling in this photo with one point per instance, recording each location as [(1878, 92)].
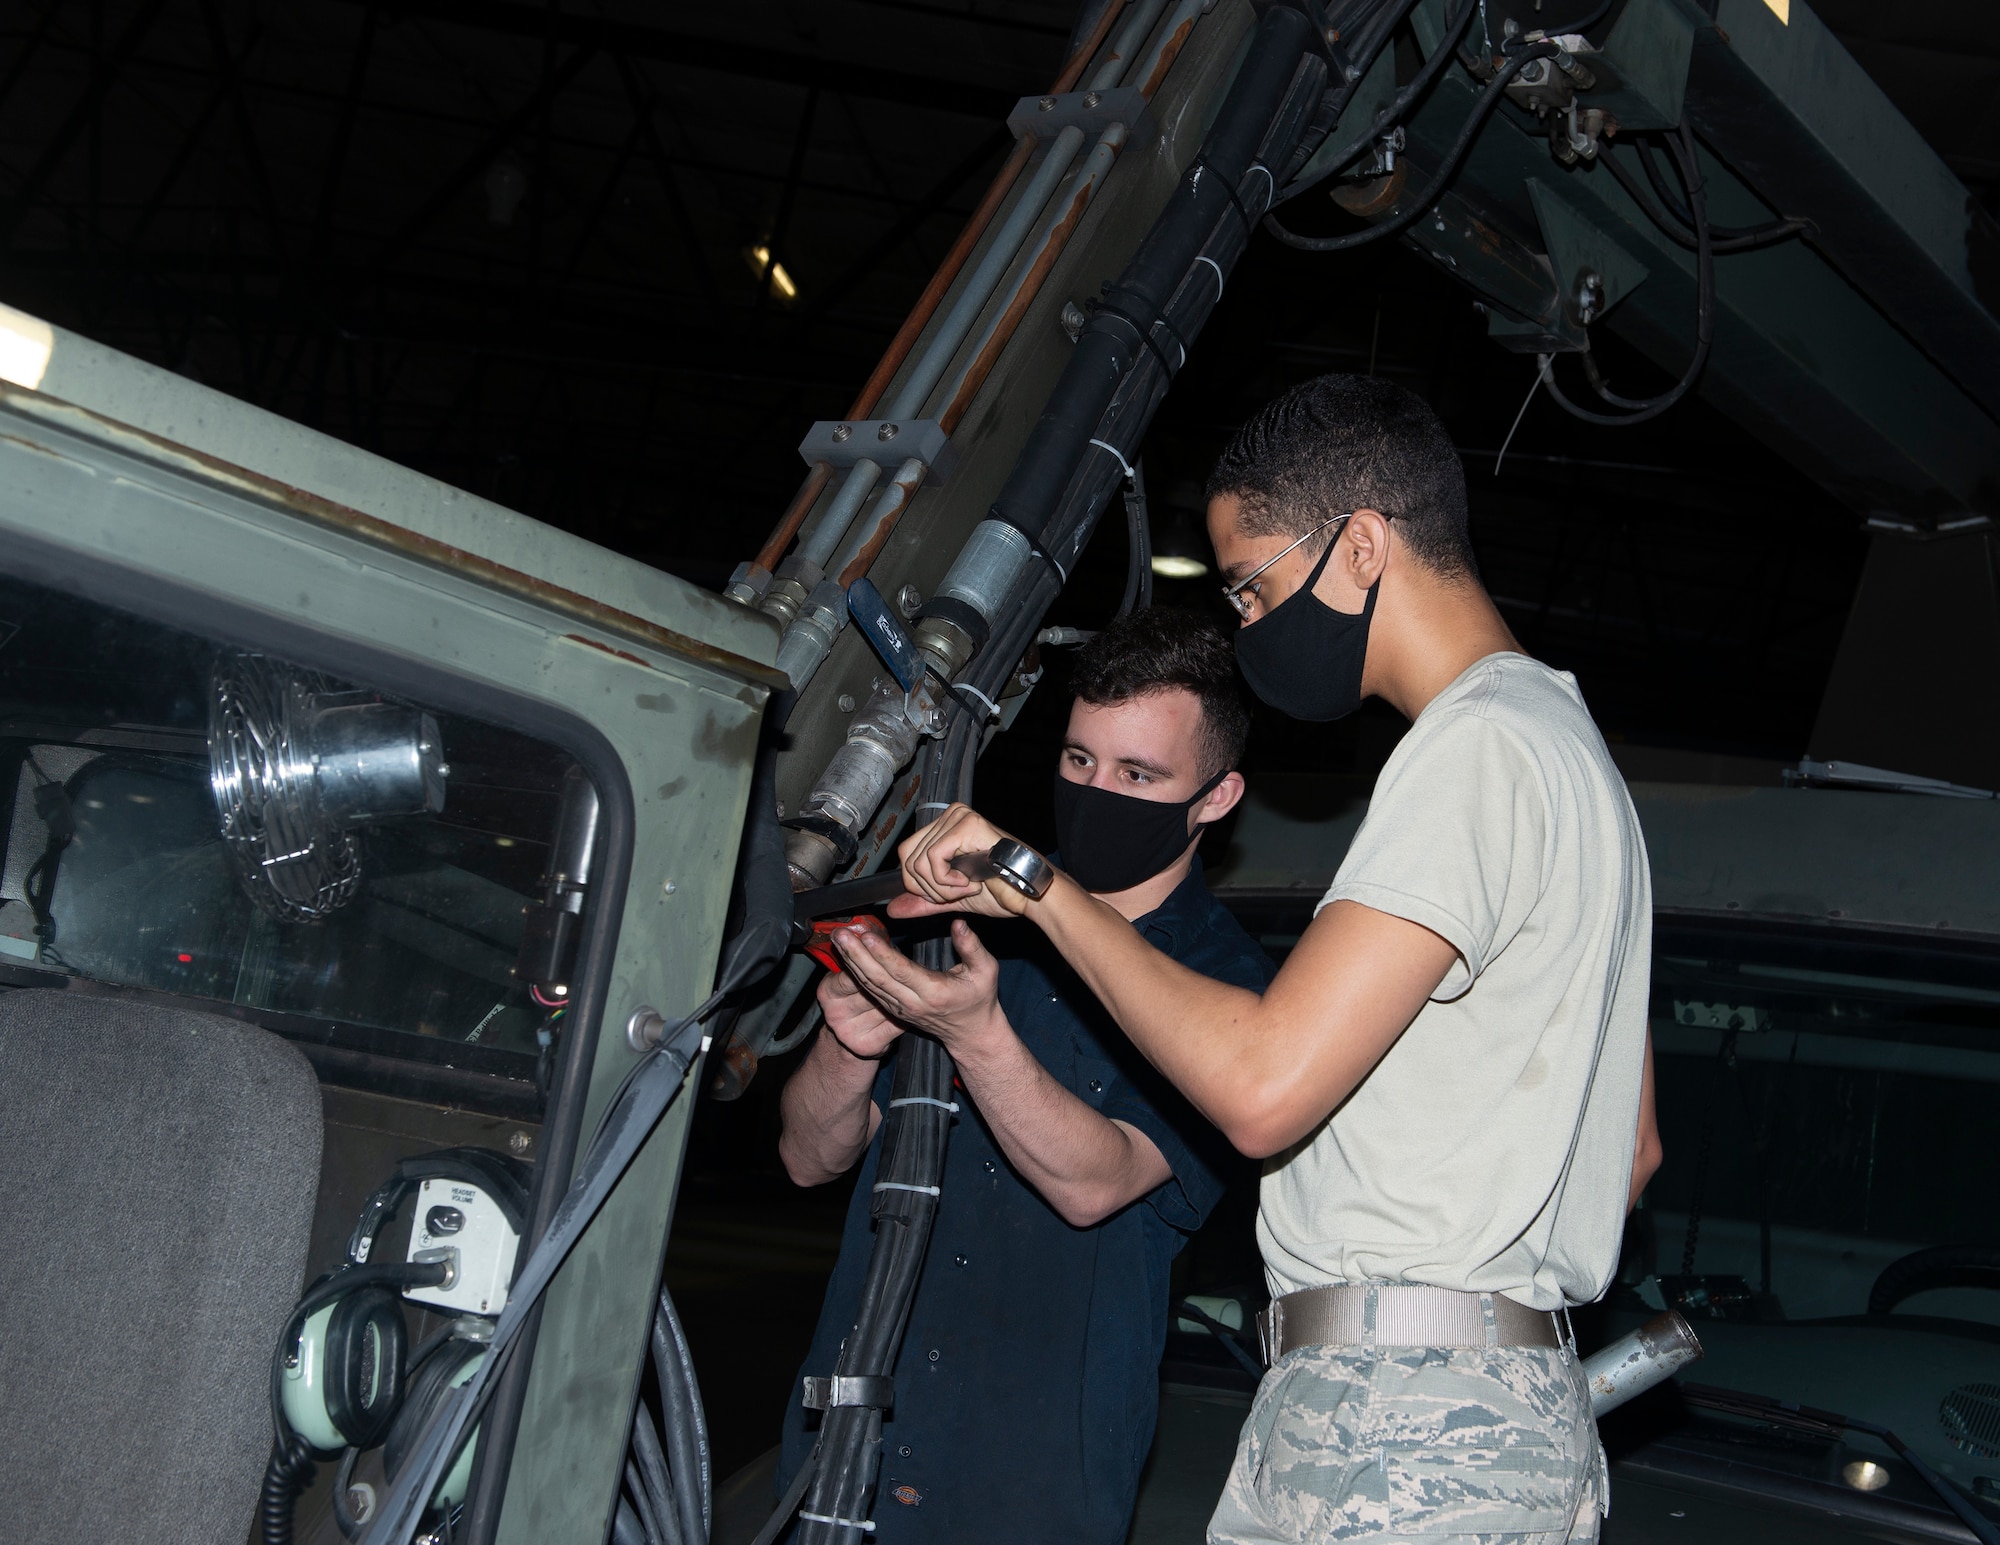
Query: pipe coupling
[(810, 637), (988, 567), (791, 584)]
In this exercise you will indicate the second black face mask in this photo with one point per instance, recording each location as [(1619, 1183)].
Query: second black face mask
[(1112, 842), (1303, 657)]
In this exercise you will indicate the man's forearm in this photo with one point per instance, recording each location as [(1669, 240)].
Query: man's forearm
[(1082, 1164), (1191, 1027), (828, 1116), (1264, 1069)]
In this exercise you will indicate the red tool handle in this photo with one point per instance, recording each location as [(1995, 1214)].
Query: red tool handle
[(820, 945)]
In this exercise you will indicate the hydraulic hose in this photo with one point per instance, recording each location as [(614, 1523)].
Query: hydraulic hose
[(1124, 359), (1138, 544), (1676, 228), (686, 1429), (1122, 328), (1419, 205), (909, 1173), (1704, 333), (1391, 114)]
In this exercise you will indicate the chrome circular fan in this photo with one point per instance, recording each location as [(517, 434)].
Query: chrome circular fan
[(295, 763)]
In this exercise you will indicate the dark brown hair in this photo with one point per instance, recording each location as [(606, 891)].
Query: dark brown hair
[(1158, 648)]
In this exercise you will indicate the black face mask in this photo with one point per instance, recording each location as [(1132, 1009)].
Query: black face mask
[(1112, 842), (1305, 658)]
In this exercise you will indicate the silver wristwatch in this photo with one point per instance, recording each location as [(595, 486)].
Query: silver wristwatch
[(1022, 867)]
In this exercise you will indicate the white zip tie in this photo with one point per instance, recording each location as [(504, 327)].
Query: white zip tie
[(924, 1099), (897, 1185), (992, 708), (1218, 274), (1259, 166), (935, 804), (1116, 454), (865, 1525)]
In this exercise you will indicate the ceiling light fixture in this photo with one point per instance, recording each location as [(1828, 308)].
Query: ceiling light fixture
[(760, 263), (1180, 545)]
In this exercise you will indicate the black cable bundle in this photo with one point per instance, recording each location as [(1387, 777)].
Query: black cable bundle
[(1126, 357), (669, 1484), (1276, 74), (1641, 409)]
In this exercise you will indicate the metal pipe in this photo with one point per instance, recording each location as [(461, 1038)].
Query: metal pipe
[(1150, 71), (866, 541), (927, 304), (1633, 1364), (1096, 167), (824, 534), (794, 516)]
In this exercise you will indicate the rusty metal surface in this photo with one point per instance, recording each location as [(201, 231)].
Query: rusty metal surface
[(669, 733), (801, 506), (384, 533), (888, 510), (997, 417)]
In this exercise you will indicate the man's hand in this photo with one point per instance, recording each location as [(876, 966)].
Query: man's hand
[(956, 1006), (852, 1018), (936, 886)]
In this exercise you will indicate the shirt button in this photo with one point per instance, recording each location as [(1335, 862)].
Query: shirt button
[(1096, 1087), (935, 1354), (959, 1259), (1054, 998), (989, 1167), (904, 1451)]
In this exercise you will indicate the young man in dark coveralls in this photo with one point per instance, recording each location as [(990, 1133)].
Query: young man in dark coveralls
[(1026, 1391)]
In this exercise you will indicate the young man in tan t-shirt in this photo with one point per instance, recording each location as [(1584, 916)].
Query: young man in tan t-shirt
[(1450, 1079)]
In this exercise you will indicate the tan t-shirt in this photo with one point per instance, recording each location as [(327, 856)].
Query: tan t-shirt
[(1491, 1148)]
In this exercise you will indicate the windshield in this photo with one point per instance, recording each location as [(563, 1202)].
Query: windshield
[(1826, 1103), (352, 868)]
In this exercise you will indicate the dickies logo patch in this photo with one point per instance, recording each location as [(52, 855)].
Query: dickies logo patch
[(909, 1496)]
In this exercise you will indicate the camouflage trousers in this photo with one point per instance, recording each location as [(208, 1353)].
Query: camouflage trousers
[(1417, 1443)]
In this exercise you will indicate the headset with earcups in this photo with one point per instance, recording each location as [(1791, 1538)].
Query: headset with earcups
[(451, 1364), (341, 1380), (346, 1381)]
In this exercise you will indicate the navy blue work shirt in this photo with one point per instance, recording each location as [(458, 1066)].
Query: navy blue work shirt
[(1028, 1384)]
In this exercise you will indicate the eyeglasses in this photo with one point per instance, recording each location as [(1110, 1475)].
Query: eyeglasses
[(1234, 594)]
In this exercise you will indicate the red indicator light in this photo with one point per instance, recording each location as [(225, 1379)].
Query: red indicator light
[(186, 960)]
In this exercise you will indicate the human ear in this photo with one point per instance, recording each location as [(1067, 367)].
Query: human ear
[(1221, 799), (1367, 536)]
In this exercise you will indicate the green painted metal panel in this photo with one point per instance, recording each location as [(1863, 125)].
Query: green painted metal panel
[(319, 470), (107, 508), (1801, 358)]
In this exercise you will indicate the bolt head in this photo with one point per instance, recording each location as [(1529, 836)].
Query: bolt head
[(667, 887), (519, 1143), (886, 432), (1047, 104), (1091, 99), (845, 702), (908, 599), (842, 432)]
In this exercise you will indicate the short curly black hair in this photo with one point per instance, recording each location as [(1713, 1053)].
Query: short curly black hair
[(1340, 443), (1158, 648)]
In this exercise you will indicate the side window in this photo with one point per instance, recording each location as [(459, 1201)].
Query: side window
[(190, 818)]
